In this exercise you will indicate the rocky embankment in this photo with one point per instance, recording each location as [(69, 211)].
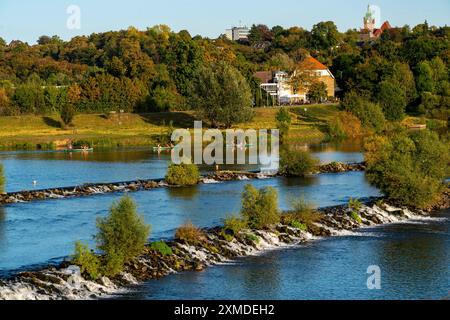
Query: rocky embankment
[(66, 282), (139, 185)]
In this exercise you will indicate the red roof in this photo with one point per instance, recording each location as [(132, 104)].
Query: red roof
[(385, 26), (309, 63), (264, 76)]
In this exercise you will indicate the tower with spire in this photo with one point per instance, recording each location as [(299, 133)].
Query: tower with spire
[(369, 20)]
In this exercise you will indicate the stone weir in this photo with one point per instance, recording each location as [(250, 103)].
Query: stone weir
[(139, 185), (67, 282)]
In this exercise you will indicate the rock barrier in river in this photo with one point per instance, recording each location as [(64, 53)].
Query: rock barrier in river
[(139, 185), (66, 281)]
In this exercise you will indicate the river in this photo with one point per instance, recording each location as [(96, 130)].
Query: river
[(35, 234)]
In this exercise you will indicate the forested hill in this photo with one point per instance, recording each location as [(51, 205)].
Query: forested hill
[(152, 70)]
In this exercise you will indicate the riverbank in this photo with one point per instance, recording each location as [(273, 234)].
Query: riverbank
[(139, 185), (65, 282), (128, 129)]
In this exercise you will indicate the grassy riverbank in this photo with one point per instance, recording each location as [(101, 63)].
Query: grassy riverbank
[(31, 131)]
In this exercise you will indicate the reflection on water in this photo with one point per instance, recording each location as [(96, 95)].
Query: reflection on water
[(59, 169), (413, 257)]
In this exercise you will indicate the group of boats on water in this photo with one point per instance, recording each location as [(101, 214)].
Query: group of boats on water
[(170, 147), (158, 148)]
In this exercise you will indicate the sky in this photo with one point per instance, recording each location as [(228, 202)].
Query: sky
[(27, 20)]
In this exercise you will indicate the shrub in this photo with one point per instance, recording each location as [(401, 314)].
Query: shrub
[(182, 174), (298, 225), (304, 213), (121, 235), (88, 262), (2, 179), (344, 125), (355, 216), (252, 238), (408, 168), (260, 207), (296, 163), (190, 234), (354, 204), (162, 248), (335, 129), (232, 226)]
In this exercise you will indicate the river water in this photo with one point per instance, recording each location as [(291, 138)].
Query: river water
[(35, 234), (414, 259)]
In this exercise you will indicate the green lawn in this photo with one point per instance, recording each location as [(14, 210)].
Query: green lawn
[(140, 129)]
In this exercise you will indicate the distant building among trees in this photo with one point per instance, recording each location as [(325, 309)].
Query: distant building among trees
[(309, 75), (237, 33), (369, 31)]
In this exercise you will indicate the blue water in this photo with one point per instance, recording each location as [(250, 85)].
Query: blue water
[(57, 169), (414, 259), (34, 233)]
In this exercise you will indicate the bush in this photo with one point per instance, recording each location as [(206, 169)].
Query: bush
[(302, 216), (354, 204), (182, 174), (88, 262), (232, 226), (296, 163), (260, 207), (2, 179), (190, 234), (355, 216), (408, 168), (121, 235), (298, 225), (162, 248), (252, 238), (335, 129)]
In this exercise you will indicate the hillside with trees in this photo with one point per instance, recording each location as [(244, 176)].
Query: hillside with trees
[(405, 71)]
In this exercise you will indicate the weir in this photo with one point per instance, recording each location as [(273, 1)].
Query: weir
[(150, 184)]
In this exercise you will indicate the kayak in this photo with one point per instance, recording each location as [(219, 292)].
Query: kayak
[(78, 150), (162, 148)]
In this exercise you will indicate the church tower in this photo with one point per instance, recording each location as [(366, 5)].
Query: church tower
[(369, 20)]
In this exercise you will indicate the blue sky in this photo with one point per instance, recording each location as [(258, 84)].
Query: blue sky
[(26, 20)]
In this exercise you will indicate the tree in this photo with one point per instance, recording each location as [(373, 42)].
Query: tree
[(324, 36), (317, 92), (259, 33), (283, 119), (425, 78), (121, 235), (67, 112), (408, 168), (280, 61), (392, 99), (222, 95)]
